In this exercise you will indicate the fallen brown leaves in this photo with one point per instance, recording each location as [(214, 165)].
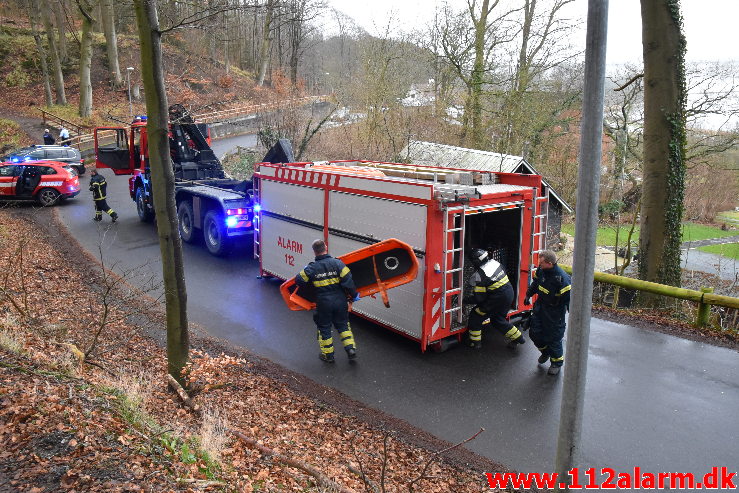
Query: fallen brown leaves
[(70, 426)]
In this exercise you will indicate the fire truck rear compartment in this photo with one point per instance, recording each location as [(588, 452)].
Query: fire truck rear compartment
[(498, 232)]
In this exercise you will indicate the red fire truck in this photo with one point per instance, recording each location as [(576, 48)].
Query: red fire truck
[(208, 203), (442, 213)]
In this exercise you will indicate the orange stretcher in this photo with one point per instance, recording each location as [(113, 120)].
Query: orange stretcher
[(375, 269)]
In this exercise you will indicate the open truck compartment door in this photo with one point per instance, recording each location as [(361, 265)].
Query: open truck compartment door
[(112, 150)]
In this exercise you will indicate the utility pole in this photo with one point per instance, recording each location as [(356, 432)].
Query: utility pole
[(586, 222)]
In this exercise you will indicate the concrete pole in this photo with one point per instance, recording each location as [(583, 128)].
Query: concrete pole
[(586, 223)]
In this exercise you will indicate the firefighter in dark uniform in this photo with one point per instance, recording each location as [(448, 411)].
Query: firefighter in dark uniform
[(334, 288), (548, 322), (99, 187), (493, 294)]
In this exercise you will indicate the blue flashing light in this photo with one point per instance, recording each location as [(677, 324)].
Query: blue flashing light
[(257, 207), (231, 221), (15, 160)]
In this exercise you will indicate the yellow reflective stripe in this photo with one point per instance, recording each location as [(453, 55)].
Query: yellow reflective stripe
[(498, 284), (565, 289), (479, 312), (541, 348), (554, 360), (304, 276), (327, 282), (327, 345), (479, 289), (344, 272), (514, 333), (475, 335), (347, 338), (543, 290)]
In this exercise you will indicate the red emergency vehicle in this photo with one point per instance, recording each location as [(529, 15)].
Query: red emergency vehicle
[(208, 203), (442, 213)]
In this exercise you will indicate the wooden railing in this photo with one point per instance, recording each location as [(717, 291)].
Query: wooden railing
[(705, 298), (253, 109), (58, 121)]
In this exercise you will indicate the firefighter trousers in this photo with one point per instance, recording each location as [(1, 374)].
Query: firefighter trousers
[(548, 324), (333, 312), (102, 206), (493, 313)]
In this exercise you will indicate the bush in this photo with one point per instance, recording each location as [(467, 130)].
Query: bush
[(17, 78), (240, 163)]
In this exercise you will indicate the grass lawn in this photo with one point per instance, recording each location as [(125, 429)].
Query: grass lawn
[(728, 216), (730, 250), (606, 236)]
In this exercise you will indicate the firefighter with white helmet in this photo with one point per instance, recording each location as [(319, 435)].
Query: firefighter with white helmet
[(493, 295)]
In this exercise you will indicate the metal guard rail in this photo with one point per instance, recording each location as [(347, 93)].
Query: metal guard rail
[(704, 298), (85, 139)]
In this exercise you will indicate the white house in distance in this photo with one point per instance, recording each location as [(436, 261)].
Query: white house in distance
[(432, 154)]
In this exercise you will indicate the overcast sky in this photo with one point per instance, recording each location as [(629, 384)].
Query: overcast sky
[(710, 25)]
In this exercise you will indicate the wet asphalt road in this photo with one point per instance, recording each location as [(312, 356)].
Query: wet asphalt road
[(652, 400)]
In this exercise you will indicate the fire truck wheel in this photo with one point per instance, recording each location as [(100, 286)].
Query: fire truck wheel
[(214, 232), (186, 222), (145, 214), (47, 197)]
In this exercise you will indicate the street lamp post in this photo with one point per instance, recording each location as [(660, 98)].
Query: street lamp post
[(130, 104)]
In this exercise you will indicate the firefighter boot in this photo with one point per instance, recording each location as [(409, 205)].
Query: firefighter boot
[(97, 218), (114, 216), (474, 339), (543, 358), (327, 348), (347, 339), (327, 358), (515, 337), (553, 370)]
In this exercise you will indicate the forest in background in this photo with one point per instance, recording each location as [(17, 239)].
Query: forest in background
[(502, 77)]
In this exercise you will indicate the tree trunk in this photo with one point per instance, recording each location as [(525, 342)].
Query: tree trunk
[(86, 8), (266, 42), (162, 175), (664, 142), (61, 95), (476, 139), (111, 42), (61, 25), (32, 13)]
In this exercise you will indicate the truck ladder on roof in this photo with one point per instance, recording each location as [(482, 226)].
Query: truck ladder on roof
[(449, 302)]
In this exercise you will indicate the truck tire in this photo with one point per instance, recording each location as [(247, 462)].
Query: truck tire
[(186, 222), (145, 213), (214, 233), (47, 197)]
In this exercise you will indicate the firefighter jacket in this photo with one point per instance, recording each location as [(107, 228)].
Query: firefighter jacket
[(330, 279), (553, 289), (99, 187), (489, 284)]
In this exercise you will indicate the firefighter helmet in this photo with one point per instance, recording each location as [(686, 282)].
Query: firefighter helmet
[(479, 256)]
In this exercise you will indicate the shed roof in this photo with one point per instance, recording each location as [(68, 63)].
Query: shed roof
[(433, 154)]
